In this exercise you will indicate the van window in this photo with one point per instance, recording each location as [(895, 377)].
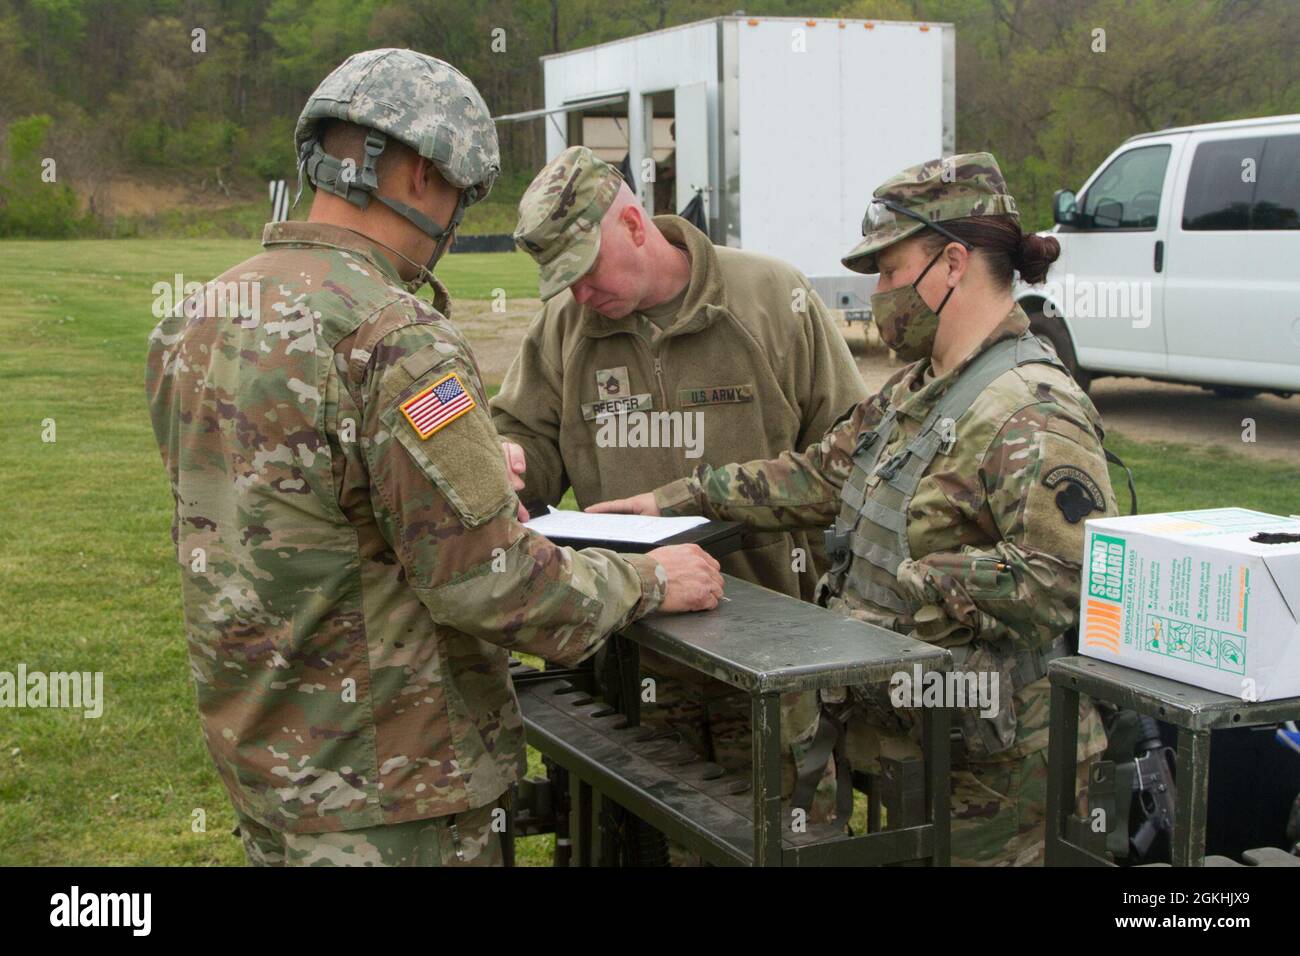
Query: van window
[(1277, 192), (1240, 184), (1127, 193), (1220, 187)]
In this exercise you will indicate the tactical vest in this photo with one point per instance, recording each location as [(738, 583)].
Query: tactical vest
[(869, 539)]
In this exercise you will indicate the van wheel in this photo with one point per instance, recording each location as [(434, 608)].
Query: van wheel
[(1053, 330), (1234, 391)]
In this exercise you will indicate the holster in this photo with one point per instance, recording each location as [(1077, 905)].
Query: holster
[(839, 555), (987, 736), (1015, 669)]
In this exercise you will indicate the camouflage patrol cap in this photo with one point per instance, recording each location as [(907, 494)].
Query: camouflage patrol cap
[(418, 100), (560, 213), (955, 187)]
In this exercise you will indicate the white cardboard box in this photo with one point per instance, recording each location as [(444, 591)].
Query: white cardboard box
[(1190, 596)]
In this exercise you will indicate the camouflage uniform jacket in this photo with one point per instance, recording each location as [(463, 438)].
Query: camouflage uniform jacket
[(763, 376), (351, 589), (995, 553)]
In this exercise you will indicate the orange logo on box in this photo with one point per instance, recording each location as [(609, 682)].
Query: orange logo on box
[(1241, 602), (1174, 526), (1102, 626)]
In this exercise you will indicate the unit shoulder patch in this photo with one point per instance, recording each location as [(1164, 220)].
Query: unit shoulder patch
[(1080, 494)]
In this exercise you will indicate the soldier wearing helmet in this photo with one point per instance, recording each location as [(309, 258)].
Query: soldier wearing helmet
[(353, 569), (396, 99), (956, 497)]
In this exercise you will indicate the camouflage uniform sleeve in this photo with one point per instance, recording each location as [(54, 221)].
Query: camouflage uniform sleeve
[(827, 378), (162, 404), (527, 411), (1043, 474), (793, 490), (444, 504)]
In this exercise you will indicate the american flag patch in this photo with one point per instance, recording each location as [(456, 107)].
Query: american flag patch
[(441, 403)]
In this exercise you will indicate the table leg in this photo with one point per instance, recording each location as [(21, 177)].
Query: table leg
[(1062, 748), (508, 837), (938, 787), (1187, 845), (765, 713), (579, 821), (599, 842)]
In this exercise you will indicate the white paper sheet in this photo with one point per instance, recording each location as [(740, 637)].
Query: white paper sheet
[(634, 529)]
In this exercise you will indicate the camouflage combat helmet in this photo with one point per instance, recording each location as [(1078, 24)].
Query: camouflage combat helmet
[(968, 184), (560, 214), (416, 99)]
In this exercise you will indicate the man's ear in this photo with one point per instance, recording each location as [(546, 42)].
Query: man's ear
[(422, 177), (633, 219), (427, 184)]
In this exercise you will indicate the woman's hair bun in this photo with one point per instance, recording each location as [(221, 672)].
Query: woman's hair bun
[(1036, 254)]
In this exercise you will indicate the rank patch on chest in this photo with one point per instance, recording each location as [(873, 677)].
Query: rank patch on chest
[(714, 395), (438, 405), (613, 383)]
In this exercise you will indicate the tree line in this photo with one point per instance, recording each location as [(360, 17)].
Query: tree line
[(207, 92)]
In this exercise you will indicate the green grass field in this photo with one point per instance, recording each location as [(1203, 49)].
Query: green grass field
[(87, 581), (497, 214)]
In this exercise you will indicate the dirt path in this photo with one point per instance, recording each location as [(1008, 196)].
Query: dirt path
[(1135, 408), (1144, 410), (494, 335), (1157, 411)]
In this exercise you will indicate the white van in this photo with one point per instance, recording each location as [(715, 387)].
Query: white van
[(1180, 260)]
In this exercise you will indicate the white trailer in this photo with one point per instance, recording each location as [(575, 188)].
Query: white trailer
[(786, 124)]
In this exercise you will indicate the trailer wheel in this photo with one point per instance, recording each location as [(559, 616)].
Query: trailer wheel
[(1053, 330)]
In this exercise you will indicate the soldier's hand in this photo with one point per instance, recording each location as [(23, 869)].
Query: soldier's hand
[(636, 505), (516, 465), (694, 578)]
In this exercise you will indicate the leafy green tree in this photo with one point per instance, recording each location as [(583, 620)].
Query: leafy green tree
[(127, 94), (32, 201)]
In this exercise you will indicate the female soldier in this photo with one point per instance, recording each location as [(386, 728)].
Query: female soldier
[(958, 493)]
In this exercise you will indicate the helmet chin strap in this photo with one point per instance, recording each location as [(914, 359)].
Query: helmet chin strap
[(423, 273), (360, 186), (441, 236)]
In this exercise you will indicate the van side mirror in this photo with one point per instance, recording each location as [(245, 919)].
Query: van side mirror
[(1064, 210)]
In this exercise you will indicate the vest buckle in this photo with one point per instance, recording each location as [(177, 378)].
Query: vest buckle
[(893, 466), (837, 544)]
